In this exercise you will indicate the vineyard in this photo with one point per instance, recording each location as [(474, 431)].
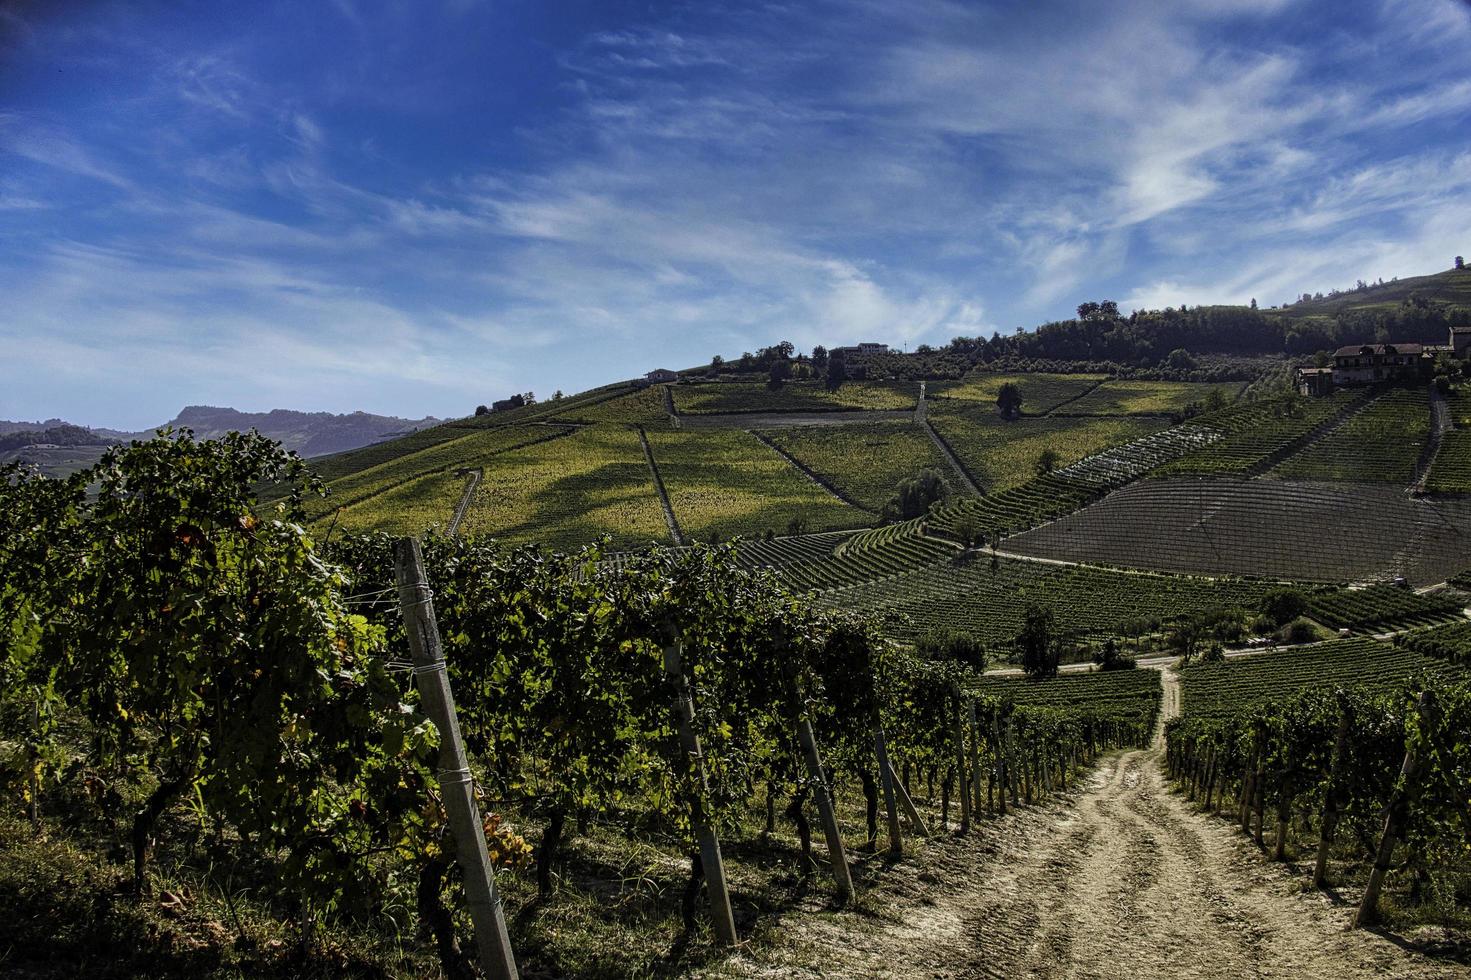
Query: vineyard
[(470, 449), (1041, 393), (793, 396), (1381, 607), (1451, 470), (989, 600), (1053, 495), (865, 462), (251, 717), (855, 566), (1256, 432), (1319, 532), (725, 483), (1331, 754), (1380, 444), (1451, 643), (1147, 397), (1131, 696), (644, 406), (566, 492), (999, 454)]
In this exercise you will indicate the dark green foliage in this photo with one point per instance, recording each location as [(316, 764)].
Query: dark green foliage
[(915, 496), (1039, 644), (1283, 605), (1009, 401), (955, 647)]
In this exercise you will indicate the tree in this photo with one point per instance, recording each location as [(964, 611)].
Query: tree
[(1111, 658), (1460, 262), (1179, 359), (1215, 401), (1038, 643), (557, 395), (780, 372), (1094, 312), (1283, 605), (914, 496), (837, 371), (716, 363), (482, 410), (819, 357), (1046, 461), (1253, 302), (1009, 401), (969, 530)]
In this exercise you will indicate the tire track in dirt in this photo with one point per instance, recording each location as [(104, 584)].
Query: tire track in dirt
[(1121, 880)]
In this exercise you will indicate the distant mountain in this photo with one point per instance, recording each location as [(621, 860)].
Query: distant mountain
[(308, 433)]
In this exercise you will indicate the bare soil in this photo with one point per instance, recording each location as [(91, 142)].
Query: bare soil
[(1122, 878)]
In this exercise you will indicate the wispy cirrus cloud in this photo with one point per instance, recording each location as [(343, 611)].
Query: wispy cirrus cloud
[(411, 212)]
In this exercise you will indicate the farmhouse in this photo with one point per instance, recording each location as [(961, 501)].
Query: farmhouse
[(861, 350), (1369, 364), (661, 376), (1460, 342)]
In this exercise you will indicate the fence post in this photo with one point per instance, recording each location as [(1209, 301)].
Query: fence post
[(839, 858), (710, 859), (886, 780), (975, 755), (492, 941), (1329, 829), (1394, 818)]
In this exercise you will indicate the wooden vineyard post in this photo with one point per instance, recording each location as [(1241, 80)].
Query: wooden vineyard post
[(1000, 764), (906, 802), (710, 857), (1329, 828), (492, 941), (842, 878), (975, 756), (1394, 819), (963, 778), (887, 781)]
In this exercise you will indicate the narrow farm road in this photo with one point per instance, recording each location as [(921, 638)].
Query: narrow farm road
[(1121, 880)]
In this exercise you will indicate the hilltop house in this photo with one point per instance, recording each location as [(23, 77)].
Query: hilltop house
[(1369, 364), (660, 376), (861, 350)]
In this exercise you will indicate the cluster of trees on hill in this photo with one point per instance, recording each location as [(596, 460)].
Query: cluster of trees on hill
[(60, 435)]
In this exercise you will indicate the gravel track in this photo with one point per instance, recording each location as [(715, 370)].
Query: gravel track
[(1120, 879)]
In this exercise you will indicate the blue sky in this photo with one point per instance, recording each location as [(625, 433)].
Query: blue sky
[(413, 207)]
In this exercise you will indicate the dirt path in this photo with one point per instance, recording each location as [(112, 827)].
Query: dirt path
[(1123, 880)]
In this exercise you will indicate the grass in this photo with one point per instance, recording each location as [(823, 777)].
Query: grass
[(1148, 397), (999, 454), (1041, 393), (726, 483), (866, 461), (794, 396)]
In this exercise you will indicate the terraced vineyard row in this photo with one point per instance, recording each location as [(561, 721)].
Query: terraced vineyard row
[(1000, 455), (1380, 607), (1451, 470), (898, 556), (988, 604), (865, 462), (877, 537), (1382, 443), (1255, 431), (1222, 689), (1451, 643), (780, 552), (1132, 696), (719, 397), (1053, 495), (1320, 532)]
